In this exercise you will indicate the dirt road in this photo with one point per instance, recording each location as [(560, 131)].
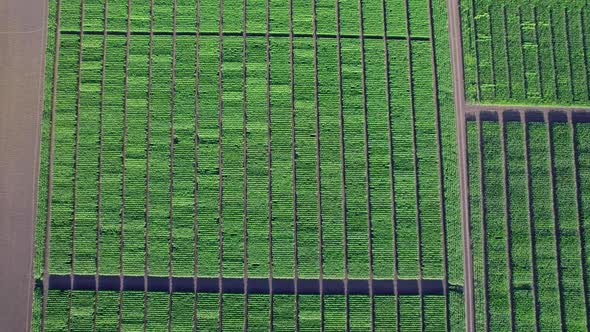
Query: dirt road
[(22, 44), (459, 98)]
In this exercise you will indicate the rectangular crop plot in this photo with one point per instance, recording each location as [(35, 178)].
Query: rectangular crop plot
[(283, 140), (526, 180), (532, 52)]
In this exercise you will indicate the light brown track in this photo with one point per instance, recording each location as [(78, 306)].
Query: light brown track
[(220, 162), (391, 166), (555, 221), (506, 193), (146, 266), (579, 215), (23, 45), (294, 168), (343, 165), (415, 158), (171, 174), (245, 162), (441, 184), (483, 213), (123, 169), (269, 165), (530, 220), (318, 165), (196, 167), (454, 25), (367, 169), (100, 158), (76, 154), (46, 253)]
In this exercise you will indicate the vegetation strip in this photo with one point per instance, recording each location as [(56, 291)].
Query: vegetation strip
[(342, 164), (50, 166), (237, 285), (76, 161), (240, 33)]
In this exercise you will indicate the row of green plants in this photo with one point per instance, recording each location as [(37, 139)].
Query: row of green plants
[(62, 200), (520, 230), (305, 159), (527, 53), (232, 158), (583, 160), (427, 143), (183, 191), (494, 226), (403, 159), (182, 317), (572, 277), (551, 219), (87, 158)]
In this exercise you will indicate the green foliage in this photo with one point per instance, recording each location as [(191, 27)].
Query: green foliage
[(529, 53)]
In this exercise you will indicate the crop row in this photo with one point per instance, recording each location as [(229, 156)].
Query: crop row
[(209, 12), (529, 53), (182, 316), (545, 269)]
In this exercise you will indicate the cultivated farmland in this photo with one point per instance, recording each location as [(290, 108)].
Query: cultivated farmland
[(526, 52), (221, 142), (528, 199)]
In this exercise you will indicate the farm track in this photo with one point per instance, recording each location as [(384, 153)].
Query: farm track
[(50, 166), (415, 158), (23, 46), (454, 22)]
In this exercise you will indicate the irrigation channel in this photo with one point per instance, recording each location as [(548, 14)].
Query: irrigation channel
[(236, 285)]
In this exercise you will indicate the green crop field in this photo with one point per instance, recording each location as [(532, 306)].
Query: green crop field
[(526, 52), (267, 150), (203, 138), (529, 244)]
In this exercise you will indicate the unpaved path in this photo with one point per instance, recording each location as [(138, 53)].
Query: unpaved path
[(459, 97), (22, 59)]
